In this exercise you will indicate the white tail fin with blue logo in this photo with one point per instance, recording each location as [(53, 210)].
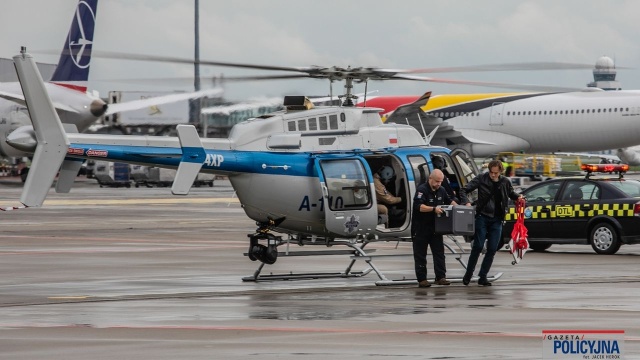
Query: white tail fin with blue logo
[(73, 67)]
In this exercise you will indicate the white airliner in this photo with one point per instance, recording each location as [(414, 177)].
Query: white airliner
[(68, 86), (485, 124)]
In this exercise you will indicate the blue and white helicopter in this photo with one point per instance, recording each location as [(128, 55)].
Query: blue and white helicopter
[(305, 172)]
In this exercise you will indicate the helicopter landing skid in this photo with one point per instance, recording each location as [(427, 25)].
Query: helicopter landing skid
[(358, 253), (347, 273)]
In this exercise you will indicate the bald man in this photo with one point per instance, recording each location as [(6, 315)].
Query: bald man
[(429, 196)]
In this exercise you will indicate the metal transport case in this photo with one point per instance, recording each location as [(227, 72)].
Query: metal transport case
[(456, 220)]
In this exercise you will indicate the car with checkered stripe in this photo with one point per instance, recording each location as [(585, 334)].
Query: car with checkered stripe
[(603, 212)]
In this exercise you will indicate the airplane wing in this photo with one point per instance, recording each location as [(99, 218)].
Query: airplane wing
[(605, 157), (19, 98), (409, 110), (412, 114)]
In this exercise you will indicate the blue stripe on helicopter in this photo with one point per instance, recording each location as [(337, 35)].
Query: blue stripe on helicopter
[(259, 162)]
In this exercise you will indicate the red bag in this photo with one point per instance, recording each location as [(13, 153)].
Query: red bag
[(518, 245)]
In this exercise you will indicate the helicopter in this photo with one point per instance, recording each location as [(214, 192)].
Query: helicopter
[(305, 172)]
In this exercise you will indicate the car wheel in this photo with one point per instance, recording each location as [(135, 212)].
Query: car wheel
[(604, 239), (539, 247)]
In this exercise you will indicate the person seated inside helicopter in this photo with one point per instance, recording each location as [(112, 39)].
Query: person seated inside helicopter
[(383, 197), (440, 164)]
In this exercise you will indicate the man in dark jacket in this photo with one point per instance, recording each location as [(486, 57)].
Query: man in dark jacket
[(429, 195), (494, 190)]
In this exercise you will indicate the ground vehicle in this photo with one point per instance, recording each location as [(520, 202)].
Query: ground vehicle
[(602, 212)]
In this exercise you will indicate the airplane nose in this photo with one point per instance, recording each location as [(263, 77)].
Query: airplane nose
[(98, 107)]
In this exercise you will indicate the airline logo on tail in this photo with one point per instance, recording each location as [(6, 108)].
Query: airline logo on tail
[(73, 68)]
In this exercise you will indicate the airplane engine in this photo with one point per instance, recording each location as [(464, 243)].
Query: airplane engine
[(19, 142), (629, 156)]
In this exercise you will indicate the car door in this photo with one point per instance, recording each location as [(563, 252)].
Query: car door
[(540, 201), (574, 207)]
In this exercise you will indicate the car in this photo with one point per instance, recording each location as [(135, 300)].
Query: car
[(603, 212)]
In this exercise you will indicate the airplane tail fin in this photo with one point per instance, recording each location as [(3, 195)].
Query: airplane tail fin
[(52, 142), (72, 70)]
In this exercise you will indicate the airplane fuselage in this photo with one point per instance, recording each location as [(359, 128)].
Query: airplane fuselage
[(73, 107), (485, 124), (577, 121)]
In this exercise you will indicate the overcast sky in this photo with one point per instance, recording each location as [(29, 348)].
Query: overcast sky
[(380, 33)]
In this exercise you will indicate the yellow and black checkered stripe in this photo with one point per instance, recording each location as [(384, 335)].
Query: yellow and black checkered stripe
[(573, 210)]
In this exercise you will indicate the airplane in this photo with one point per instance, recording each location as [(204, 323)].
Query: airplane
[(68, 86), (305, 172), (541, 122)]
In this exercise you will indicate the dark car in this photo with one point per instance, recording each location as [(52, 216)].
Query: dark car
[(602, 212)]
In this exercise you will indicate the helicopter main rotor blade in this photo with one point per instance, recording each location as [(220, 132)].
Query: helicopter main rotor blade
[(528, 87), (178, 60), (362, 74), (205, 78), (526, 66)]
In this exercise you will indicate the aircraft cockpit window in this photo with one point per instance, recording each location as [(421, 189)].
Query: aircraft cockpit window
[(323, 122)]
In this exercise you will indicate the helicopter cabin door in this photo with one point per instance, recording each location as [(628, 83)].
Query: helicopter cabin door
[(347, 196), (466, 169)]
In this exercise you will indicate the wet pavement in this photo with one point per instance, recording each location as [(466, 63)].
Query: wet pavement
[(137, 273)]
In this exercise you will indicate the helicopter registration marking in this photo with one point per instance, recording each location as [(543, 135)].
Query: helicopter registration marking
[(306, 204), (214, 160)]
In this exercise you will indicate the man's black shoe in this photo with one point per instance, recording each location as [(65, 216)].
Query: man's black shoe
[(466, 280), (483, 282)]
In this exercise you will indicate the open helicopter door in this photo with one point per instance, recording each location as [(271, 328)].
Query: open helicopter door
[(466, 170), (347, 196)]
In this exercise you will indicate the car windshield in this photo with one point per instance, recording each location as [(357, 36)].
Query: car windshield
[(630, 188)]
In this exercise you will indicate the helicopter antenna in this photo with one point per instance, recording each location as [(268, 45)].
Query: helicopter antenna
[(424, 132), (431, 135)]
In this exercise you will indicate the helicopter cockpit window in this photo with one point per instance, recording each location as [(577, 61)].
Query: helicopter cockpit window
[(333, 122), (302, 125), (347, 184), (323, 122), (291, 126)]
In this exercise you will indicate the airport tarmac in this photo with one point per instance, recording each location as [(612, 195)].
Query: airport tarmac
[(107, 273)]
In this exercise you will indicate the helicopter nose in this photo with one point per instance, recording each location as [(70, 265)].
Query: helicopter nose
[(98, 107)]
